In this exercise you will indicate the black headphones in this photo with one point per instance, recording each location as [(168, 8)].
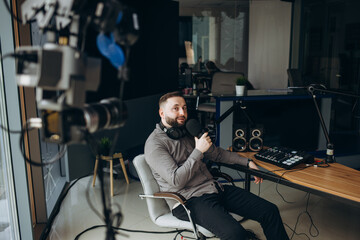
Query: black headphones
[(174, 132)]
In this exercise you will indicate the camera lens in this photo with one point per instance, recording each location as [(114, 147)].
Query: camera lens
[(107, 114)]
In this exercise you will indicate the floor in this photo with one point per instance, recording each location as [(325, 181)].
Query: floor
[(331, 219)]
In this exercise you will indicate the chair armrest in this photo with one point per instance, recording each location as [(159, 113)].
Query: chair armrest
[(227, 177), (166, 195), (174, 195), (217, 174)]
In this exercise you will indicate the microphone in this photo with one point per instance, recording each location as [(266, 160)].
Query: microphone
[(194, 128)]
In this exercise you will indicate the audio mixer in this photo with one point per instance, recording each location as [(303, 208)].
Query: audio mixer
[(284, 157)]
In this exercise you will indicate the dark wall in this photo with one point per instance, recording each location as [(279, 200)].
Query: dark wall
[(153, 59), (292, 123)]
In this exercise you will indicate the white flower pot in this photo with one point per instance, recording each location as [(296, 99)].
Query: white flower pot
[(240, 90)]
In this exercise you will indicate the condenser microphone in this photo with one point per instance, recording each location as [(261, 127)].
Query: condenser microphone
[(194, 128)]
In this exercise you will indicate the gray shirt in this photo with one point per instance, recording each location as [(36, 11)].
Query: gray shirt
[(178, 167)]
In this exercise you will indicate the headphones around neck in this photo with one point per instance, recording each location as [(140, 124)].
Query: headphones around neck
[(174, 133)]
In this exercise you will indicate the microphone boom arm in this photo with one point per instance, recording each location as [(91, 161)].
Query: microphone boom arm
[(232, 109), (330, 158)]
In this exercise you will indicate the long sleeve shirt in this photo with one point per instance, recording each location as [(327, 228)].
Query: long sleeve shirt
[(179, 167)]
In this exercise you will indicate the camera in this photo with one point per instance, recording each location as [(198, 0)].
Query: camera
[(62, 72), (72, 124)]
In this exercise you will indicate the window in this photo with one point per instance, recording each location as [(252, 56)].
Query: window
[(215, 32)]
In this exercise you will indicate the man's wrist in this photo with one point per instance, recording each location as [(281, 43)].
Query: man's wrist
[(248, 162)]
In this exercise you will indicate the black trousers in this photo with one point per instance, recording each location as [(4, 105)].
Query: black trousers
[(211, 211)]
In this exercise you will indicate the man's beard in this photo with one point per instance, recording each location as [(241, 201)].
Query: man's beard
[(173, 122)]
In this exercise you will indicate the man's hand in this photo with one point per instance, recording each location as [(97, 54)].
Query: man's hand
[(203, 143), (253, 166)]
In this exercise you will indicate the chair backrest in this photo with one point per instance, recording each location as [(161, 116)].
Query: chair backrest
[(295, 79), (224, 82), (156, 207)]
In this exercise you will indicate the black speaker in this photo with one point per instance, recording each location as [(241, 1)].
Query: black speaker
[(239, 142), (256, 133)]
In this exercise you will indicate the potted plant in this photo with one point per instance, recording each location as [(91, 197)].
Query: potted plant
[(240, 85), (104, 146)]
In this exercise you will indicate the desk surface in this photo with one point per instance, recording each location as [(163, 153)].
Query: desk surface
[(336, 179)]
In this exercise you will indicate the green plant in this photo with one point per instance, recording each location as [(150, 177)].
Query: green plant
[(241, 81), (104, 146)]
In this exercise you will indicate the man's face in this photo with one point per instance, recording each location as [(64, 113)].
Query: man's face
[(173, 112)]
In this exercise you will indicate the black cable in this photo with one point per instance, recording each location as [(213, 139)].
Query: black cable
[(45, 233), (297, 234), (107, 216), (56, 158), (323, 166), (282, 177), (129, 230), (182, 236), (312, 225), (22, 146), (22, 133), (10, 131), (13, 15)]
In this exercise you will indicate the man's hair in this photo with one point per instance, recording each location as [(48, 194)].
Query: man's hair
[(166, 96)]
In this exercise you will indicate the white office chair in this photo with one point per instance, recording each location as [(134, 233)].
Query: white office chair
[(159, 211)]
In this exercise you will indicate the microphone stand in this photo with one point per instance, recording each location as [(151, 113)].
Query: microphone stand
[(330, 158), (232, 109)]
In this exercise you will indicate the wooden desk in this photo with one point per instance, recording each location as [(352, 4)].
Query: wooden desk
[(336, 181)]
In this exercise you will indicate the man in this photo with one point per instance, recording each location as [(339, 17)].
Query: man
[(177, 163)]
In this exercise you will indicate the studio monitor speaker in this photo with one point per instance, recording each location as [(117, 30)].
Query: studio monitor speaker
[(239, 142), (256, 138)]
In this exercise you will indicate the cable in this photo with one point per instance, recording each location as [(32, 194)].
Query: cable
[(15, 16), (48, 226), (107, 216), (10, 131), (56, 158), (312, 225), (281, 177), (22, 145), (11, 13), (130, 230)]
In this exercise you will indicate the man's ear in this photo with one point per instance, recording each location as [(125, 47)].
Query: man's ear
[(161, 112)]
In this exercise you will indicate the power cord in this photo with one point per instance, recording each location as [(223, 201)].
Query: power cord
[(46, 231), (312, 225), (32, 124), (178, 232)]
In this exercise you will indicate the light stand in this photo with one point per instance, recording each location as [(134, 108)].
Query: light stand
[(330, 158)]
